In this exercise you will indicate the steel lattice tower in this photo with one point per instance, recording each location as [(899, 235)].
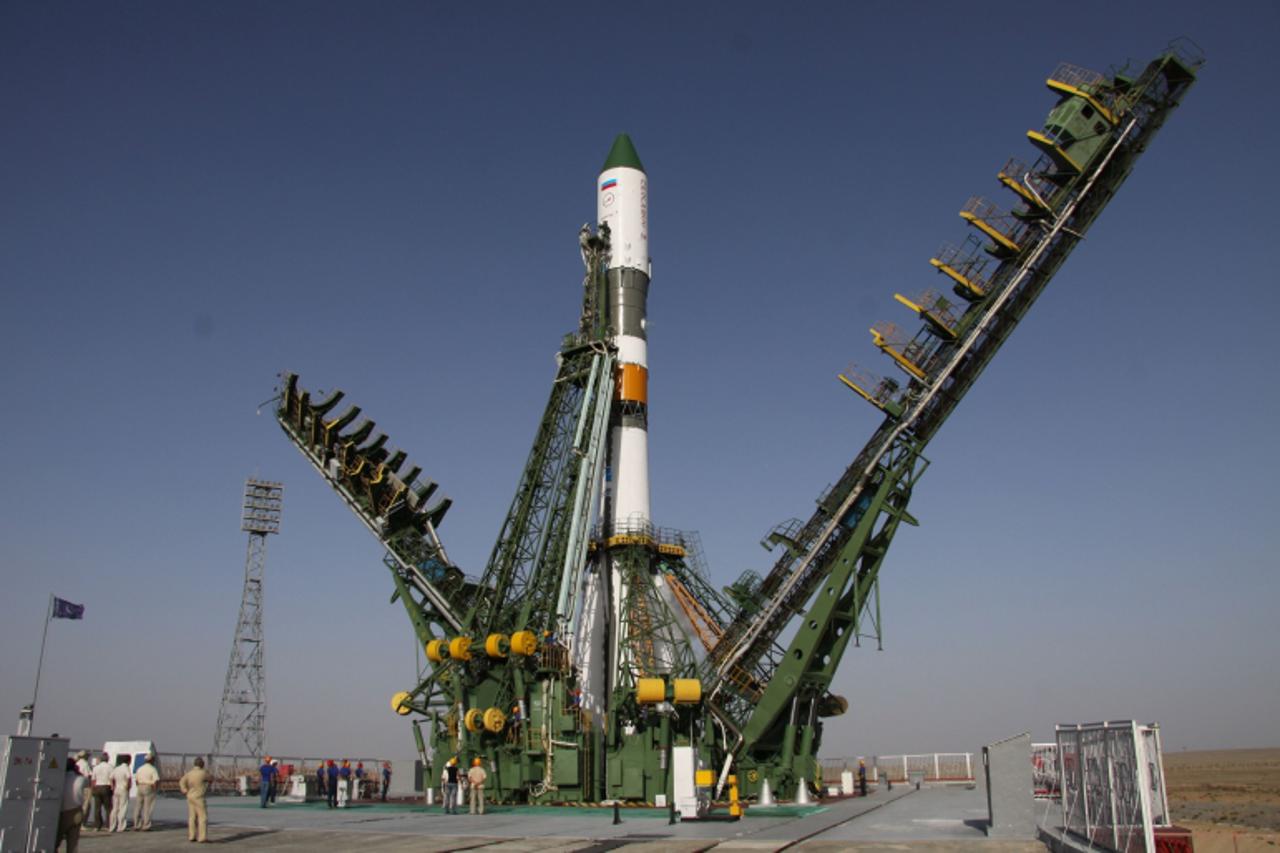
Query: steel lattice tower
[(242, 718)]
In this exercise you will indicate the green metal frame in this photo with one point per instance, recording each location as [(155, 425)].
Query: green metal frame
[(762, 704)]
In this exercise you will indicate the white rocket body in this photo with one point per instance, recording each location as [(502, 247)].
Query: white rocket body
[(622, 203)]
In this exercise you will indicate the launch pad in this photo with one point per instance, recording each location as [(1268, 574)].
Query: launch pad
[(929, 819), (593, 660)]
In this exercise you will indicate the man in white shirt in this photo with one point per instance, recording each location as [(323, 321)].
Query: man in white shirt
[(72, 808), (102, 790), (120, 779), (148, 780), (84, 769)]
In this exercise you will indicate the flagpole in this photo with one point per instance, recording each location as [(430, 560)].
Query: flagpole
[(39, 666)]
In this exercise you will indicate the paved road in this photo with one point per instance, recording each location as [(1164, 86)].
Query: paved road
[(881, 822)]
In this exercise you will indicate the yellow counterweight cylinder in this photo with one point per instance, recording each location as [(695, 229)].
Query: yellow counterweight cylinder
[(524, 643), (495, 645), (399, 703), (494, 720), (438, 651), (460, 648), (650, 691), (686, 691), (474, 720)]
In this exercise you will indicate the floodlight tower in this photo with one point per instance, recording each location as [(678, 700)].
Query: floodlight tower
[(243, 714)]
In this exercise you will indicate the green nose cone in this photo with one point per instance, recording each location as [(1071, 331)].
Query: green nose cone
[(622, 154)]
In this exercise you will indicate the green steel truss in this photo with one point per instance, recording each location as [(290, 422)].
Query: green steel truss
[(766, 649), (825, 581)]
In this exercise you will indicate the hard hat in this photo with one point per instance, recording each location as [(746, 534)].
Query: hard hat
[(475, 762)]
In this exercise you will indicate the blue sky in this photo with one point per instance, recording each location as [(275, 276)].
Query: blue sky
[(385, 198)]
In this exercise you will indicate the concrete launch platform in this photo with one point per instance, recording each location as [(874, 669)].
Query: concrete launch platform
[(932, 819)]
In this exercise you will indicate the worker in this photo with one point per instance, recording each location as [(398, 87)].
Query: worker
[(121, 778), (386, 779), (102, 790), (320, 789), (72, 814), (449, 778), (513, 733), (344, 776), (275, 778), (475, 779), (862, 777), (86, 770), (148, 781), (360, 776), (331, 771), (194, 783), (267, 773)]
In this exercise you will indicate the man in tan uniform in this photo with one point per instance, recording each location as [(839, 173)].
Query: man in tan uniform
[(194, 783), (147, 779), (475, 779)]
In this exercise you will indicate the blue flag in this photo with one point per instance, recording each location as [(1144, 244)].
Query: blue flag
[(66, 610)]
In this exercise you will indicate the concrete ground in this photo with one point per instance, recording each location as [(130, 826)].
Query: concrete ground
[(927, 820)]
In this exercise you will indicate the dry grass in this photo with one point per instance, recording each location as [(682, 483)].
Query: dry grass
[(1230, 798)]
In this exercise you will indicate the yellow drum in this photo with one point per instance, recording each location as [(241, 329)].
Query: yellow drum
[(495, 720), (686, 691), (650, 691), (474, 720), (495, 645), (460, 648), (524, 643)]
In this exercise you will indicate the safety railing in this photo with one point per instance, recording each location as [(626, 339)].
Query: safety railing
[(1006, 232), (967, 265), (930, 768), (228, 770), (1045, 781), (1112, 779), (1077, 77)]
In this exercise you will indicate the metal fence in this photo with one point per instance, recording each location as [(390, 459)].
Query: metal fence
[(1112, 778), (1044, 770), (927, 767), (227, 770)]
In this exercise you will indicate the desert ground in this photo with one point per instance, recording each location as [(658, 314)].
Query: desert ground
[(1229, 798)]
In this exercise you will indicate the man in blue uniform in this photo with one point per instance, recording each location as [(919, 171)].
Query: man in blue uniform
[(332, 773), (451, 787), (268, 772)]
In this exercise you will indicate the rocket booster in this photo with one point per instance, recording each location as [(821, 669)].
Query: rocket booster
[(622, 203)]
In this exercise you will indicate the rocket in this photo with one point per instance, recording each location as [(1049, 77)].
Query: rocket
[(622, 203)]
